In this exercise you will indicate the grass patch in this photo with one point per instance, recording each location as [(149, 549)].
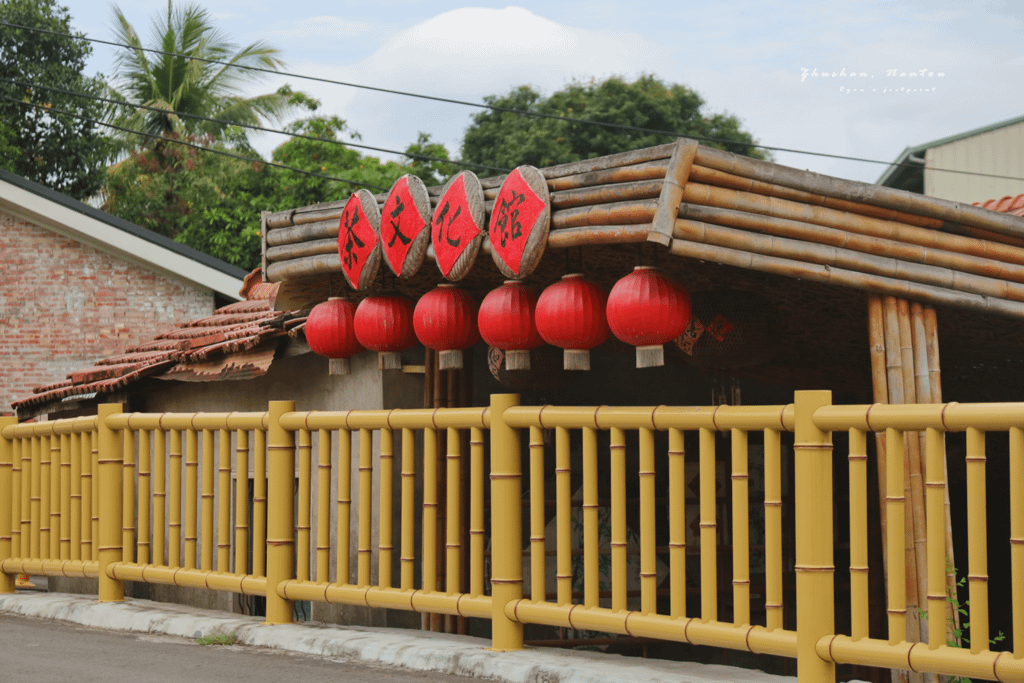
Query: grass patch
[(218, 639)]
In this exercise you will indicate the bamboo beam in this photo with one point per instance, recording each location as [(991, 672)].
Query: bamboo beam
[(876, 195), (711, 176), (601, 194), (878, 246), (845, 278), (648, 170), (676, 176), (303, 249), (302, 233), (629, 212), (709, 195), (707, 233)]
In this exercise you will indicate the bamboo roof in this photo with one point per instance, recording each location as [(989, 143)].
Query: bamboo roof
[(701, 203)]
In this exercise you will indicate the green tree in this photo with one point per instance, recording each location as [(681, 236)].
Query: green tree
[(65, 153), (180, 83), (507, 139)]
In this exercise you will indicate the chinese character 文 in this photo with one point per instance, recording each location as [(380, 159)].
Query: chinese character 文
[(395, 222)]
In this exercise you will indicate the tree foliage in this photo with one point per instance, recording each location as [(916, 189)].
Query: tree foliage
[(178, 81), (212, 202), (62, 152), (507, 139)]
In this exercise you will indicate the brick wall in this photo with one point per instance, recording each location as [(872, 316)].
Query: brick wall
[(64, 305)]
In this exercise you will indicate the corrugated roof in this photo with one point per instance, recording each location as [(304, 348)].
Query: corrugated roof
[(230, 344)]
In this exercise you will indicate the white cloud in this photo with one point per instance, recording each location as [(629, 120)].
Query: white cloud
[(466, 54), (337, 28)]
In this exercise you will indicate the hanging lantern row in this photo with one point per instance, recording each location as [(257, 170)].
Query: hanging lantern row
[(401, 232), (644, 309)]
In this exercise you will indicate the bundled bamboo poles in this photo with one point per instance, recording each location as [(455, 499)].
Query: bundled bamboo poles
[(905, 369)]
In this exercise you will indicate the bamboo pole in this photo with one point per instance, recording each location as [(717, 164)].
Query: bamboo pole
[(647, 170), (617, 447), (110, 471), (241, 565), (708, 195), (605, 194), (915, 479), (879, 385), (563, 515), (706, 233), (876, 195), (868, 244), (677, 526), (845, 278), (506, 525), (6, 501), (624, 212), (931, 333)]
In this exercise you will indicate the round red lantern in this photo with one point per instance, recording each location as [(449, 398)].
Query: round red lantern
[(506, 322), (445, 320), (330, 331), (384, 324), (646, 309), (571, 316)]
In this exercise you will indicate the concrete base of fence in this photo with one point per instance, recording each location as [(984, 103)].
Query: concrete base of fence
[(378, 647)]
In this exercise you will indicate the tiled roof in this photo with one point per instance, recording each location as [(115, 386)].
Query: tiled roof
[(230, 344), (1014, 205)]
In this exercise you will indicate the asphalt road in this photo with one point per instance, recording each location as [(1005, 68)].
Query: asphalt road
[(41, 650)]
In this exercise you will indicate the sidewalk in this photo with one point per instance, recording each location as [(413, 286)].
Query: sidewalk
[(378, 647)]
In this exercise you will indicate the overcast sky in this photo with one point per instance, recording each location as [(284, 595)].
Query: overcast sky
[(756, 60)]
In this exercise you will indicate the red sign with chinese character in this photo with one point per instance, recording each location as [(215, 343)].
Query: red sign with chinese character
[(519, 212), (400, 225), (357, 243), (454, 229)]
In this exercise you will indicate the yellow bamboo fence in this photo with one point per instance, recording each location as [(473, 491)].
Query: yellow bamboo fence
[(129, 473)]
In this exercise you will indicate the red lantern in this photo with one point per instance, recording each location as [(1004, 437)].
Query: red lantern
[(646, 309), (570, 315), (506, 322), (384, 324), (330, 331), (445, 320)]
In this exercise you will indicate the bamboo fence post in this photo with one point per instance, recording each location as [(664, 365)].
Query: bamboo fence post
[(506, 525), (110, 470), (6, 503), (815, 580), (280, 513)]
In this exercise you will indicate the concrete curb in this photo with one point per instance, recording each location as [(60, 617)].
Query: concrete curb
[(378, 647)]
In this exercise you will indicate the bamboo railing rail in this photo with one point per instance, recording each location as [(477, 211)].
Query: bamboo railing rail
[(298, 569)]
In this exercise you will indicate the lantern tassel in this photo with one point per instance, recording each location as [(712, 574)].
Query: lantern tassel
[(576, 359), (650, 356), (517, 359), (389, 360), (449, 359), (340, 366)]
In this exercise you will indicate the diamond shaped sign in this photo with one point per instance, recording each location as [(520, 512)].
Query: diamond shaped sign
[(358, 243), (455, 229), (520, 222)]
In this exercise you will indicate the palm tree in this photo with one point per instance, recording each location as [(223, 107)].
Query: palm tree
[(177, 82)]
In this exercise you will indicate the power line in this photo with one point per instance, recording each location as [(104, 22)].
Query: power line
[(221, 152), (262, 129), (521, 112)]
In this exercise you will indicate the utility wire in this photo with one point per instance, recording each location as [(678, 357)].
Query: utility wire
[(521, 112), (221, 152), (262, 129)]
